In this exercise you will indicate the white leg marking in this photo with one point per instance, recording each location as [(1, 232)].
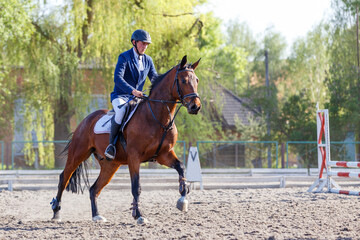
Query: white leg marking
[(141, 221), (182, 204), (99, 218)]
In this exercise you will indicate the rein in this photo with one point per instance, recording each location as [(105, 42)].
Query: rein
[(182, 97)]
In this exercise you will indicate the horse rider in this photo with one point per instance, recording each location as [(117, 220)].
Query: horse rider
[(131, 70)]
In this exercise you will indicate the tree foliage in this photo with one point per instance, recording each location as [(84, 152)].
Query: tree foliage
[(74, 36), (240, 35), (62, 49), (15, 31), (307, 66), (343, 80)]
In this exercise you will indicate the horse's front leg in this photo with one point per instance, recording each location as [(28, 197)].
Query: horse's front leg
[(182, 203), (134, 169), (171, 160)]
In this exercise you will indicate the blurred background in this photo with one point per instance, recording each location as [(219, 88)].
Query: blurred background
[(265, 67)]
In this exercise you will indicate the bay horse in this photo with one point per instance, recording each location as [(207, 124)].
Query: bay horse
[(150, 134)]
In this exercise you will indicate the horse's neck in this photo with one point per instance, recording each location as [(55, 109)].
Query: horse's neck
[(163, 92)]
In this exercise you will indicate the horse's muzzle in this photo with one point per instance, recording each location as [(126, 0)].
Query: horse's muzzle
[(194, 106)]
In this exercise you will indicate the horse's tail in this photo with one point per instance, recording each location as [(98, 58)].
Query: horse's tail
[(81, 172), (75, 181), (66, 149)]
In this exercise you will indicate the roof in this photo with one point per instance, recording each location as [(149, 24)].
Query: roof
[(234, 106)]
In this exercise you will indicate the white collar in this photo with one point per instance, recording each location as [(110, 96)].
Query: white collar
[(136, 54)]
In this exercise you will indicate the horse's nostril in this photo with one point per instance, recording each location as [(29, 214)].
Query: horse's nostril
[(194, 108)]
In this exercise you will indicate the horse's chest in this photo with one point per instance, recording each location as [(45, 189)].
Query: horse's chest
[(165, 138)]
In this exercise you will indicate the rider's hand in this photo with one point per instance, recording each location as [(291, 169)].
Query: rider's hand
[(137, 93)]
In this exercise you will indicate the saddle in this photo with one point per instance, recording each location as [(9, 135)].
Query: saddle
[(103, 125)]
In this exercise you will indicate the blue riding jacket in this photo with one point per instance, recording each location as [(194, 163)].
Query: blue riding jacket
[(128, 77)]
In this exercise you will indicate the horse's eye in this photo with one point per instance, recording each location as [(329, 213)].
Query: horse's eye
[(183, 80)]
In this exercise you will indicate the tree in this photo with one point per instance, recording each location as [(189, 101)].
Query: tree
[(229, 65), (75, 35), (260, 95), (343, 80), (303, 86), (307, 66), (240, 35), (275, 44), (15, 31)]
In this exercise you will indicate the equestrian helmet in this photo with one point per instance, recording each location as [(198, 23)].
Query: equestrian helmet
[(141, 35)]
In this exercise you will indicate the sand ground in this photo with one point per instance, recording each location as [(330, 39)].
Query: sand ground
[(287, 213)]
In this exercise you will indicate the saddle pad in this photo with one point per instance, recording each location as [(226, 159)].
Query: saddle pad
[(103, 125)]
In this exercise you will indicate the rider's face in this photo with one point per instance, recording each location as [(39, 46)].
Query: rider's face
[(142, 46)]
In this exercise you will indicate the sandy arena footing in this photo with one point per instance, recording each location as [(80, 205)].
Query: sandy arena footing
[(276, 213)]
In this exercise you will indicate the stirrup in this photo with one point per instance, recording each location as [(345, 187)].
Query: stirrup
[(110, 152)]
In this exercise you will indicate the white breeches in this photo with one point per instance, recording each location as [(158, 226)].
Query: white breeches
[(119, 112)]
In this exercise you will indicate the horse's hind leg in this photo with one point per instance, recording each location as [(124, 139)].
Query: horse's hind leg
[(56, 201), (72, 164), (170, 160), (63, 181), (108, 169)]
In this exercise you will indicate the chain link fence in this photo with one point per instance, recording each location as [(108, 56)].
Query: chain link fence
[(304, 154), (48, 155), (238, 154), (213, 154)]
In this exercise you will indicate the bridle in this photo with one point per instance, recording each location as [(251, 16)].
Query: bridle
[(179, 91), (182, 97), (184, 103)]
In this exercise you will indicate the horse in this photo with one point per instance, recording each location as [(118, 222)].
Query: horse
[(150, 135)]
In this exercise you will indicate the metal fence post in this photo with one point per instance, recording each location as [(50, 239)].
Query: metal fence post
[(12, 155), (287, 154), (184, 144), (277, 153), (2, 154)]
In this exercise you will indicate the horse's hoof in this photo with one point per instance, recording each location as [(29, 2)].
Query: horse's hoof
[(182, 204), (142, 221), (99, 218), (56, 219)]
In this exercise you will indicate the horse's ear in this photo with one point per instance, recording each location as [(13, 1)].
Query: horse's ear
[(194, 66), (183, 62)]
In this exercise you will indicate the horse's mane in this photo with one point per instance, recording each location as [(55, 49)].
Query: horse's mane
[(160, 77), (157, 80)]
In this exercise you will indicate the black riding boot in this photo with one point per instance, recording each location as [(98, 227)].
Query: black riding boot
[(110, 151)]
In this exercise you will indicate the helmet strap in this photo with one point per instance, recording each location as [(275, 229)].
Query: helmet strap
[(137, 49)]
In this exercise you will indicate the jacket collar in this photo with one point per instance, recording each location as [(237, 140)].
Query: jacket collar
[(133, 60)]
